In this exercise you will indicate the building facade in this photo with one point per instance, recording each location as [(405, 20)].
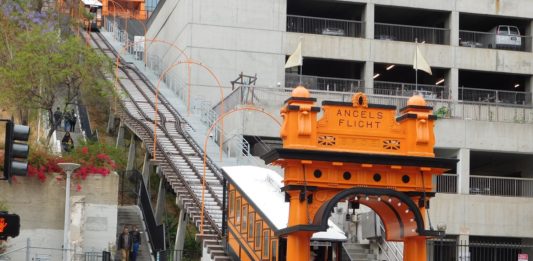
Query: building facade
[(480, 52)]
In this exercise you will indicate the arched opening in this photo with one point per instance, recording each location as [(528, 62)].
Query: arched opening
[(400, 214)]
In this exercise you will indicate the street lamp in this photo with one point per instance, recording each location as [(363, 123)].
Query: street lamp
[(68, 168)]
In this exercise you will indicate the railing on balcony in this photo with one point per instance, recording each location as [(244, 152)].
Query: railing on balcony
[(325, 83), (408, 33), (490, 40), (325, 26), (501, 186), (445, 109), (409, 89), (494, 96), (446, 183)]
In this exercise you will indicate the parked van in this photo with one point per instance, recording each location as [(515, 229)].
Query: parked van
[(503, 36)]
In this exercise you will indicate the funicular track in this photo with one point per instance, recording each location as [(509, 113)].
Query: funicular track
[(179, 157)]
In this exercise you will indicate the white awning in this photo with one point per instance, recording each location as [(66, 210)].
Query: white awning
[(92, 3)]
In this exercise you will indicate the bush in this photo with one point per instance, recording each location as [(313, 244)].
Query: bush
[(94, 158)]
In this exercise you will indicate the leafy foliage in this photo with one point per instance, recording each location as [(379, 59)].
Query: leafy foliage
[(39, 68), (94, 158)]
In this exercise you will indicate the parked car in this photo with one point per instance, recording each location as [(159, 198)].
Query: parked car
[(503, 36), (333, 31)]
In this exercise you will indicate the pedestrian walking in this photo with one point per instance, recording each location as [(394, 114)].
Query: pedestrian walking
[(66, 121), (58, 116), (136, 240), (73, 119), (124, 244), (67, 142)]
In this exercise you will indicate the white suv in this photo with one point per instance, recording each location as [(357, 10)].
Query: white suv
[(504, 36)]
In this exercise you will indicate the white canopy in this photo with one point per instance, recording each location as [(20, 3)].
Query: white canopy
[(262, 186), (92, 3)]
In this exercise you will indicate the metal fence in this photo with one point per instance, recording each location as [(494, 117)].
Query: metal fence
[(447, 250), (130, 185), (409, 89), (325, 83), (494, 96), (447, 109), (325, 26), (40, 253), (501, 186), (489, 40), (446, 183), (409, 33)]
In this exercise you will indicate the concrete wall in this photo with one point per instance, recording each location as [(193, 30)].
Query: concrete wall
[(40, 206), (483, 135), (483, 215), (229, 37)]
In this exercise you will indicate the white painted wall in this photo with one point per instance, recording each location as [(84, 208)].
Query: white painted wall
[(40, 206)]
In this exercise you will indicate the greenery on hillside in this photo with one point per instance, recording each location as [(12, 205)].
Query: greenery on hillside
[(41, 67)]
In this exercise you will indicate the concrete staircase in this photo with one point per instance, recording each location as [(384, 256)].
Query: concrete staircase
[(130, 216), (358, 252)]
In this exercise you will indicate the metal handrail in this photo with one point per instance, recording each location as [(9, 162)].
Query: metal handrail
[(411, 33), (409, 89), (396, 253), (324, 83), (501, 186), (449, 109), (167, 157), (414, 26), (324, 26), (323, 18), (446, 183), (494, 96)]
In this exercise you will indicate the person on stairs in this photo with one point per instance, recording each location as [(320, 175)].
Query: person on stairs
[(66, 121), (124, 244), (58, 116), (67, 143), (73, 118), (136, 240)]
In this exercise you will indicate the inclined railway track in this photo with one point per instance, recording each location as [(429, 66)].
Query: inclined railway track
[(179, 157)]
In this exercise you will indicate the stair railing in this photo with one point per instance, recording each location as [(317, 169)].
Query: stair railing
[(390, 249)]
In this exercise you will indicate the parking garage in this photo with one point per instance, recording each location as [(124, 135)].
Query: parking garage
[(400, 80), (327, 18), (409, 24), (327, 75), (503, 88), (494, 32)]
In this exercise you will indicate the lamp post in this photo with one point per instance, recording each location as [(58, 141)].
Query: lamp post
[(68, 168)]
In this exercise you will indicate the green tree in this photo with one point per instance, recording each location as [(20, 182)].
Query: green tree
[(41, 69)]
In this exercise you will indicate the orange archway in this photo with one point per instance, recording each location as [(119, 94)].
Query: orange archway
[(363, 153), (219, 119)]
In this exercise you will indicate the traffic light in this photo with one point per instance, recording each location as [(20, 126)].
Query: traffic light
[(16, 150), (9, 225)]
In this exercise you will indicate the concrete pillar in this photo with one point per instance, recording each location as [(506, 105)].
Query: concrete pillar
[(452, 23), (529, 90), (120, 135), (131, 154), (369, 18), (180, 234), (146, 169), (452, 81), (463, 171), (160, 204), (368, 76), (110, 122), (463, 253), (529, 33)]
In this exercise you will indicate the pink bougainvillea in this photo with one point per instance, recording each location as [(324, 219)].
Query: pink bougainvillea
[(92, 163)]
